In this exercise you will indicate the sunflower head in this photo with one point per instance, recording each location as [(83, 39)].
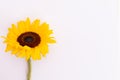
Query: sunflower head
[(29, 39)]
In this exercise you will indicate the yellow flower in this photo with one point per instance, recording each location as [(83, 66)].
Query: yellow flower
[(29, 40)]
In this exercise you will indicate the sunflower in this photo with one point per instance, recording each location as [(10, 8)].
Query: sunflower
[(29, 39)]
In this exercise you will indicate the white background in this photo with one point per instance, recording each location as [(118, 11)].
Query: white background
[(87, 39)]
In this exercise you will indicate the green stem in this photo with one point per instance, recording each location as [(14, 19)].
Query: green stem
[(29, 70)]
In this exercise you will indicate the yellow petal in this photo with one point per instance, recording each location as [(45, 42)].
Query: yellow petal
[(44, 50), (8, 48), (36, 54), (27, 24), (21, 26), (15, 51), (28, 55), (21, 54), (15, 30), (3, 37), (44, 27), (35, 25), (51, 40)]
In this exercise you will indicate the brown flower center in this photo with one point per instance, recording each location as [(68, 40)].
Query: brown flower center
[(30, 39)]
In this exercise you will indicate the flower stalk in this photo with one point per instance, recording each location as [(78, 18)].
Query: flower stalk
[(29, 69)]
